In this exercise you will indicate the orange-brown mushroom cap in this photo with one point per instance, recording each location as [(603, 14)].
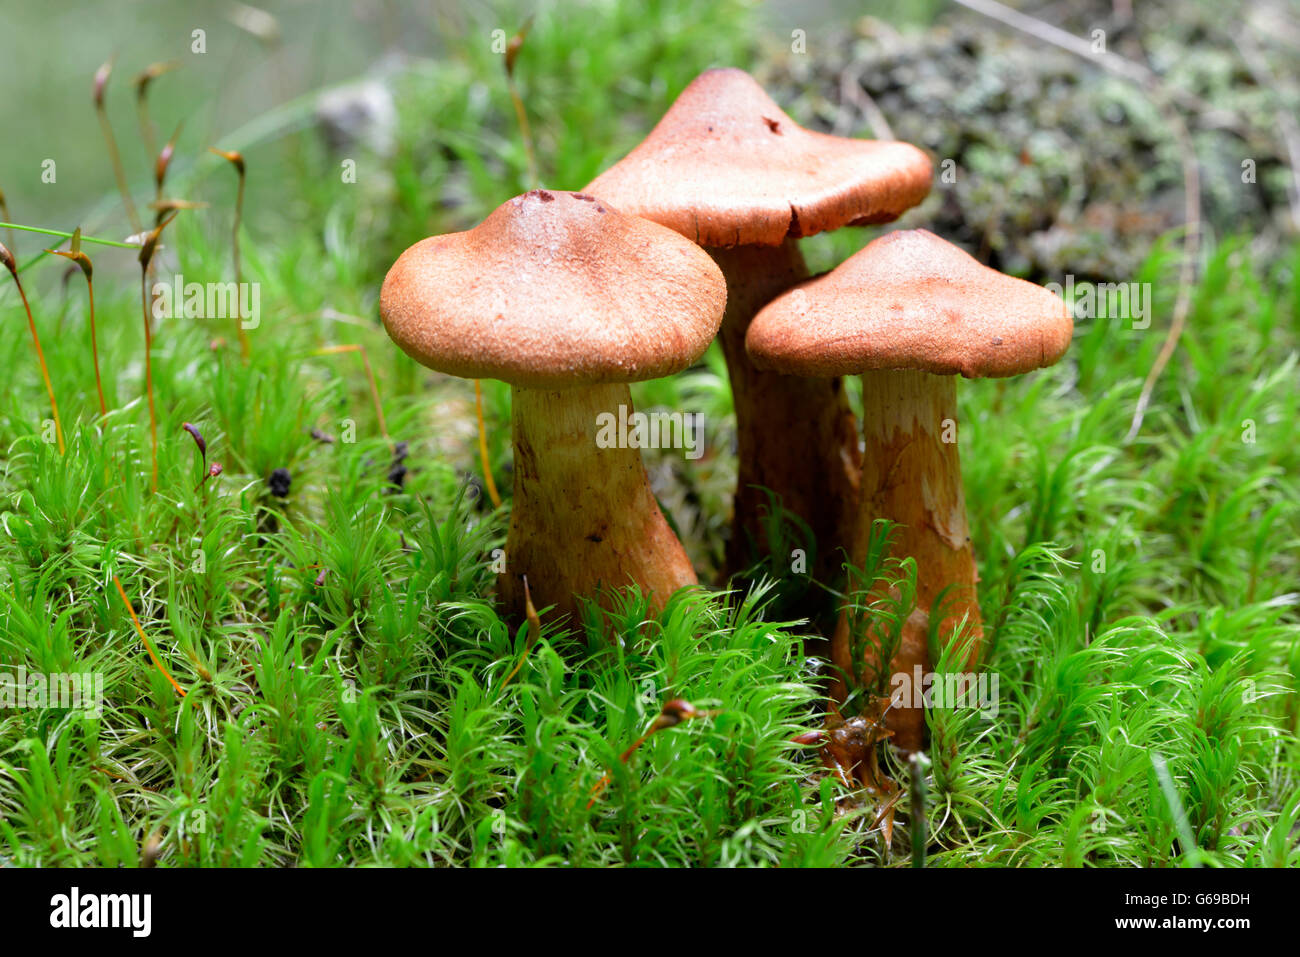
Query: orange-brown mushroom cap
[(910, 300), (554, 290), (725, 166)]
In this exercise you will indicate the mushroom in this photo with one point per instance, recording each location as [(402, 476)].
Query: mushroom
[(567, 300), (909, 312), (727, 168)]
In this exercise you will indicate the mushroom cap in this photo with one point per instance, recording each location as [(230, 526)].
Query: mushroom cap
[(725, 166), (555, 290), (910, 300)]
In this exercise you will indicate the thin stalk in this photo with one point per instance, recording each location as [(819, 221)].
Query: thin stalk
[(236, 159), (87, 270), (534, 632), (493, 494), (674, 712), (101, 81), (146, 125), (148, 374), (145, 638), (525, 130), (142, 83), (4, 211), (161, 165), (146, 257), (374, 389), (8, 259), (66, 235)]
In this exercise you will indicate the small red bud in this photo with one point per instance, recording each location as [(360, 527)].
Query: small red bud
[(101, 81), (515, 44)]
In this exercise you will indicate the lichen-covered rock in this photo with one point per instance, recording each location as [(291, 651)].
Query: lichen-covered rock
[(1055, 164)]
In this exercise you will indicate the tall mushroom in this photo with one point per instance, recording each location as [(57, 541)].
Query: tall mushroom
[(568, 300), (727, 168), (909, 312)]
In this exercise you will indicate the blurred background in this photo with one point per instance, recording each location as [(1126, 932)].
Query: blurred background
[(1067, 163)]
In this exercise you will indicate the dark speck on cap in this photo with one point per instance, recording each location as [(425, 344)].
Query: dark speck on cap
[(712, 172)]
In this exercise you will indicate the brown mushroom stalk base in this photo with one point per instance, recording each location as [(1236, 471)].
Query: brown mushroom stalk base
[(584, 519), (911, 475), (795, 436)]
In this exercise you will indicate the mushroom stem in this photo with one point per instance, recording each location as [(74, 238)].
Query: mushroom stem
[(795, 436), (583, 517), (911, 475)]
